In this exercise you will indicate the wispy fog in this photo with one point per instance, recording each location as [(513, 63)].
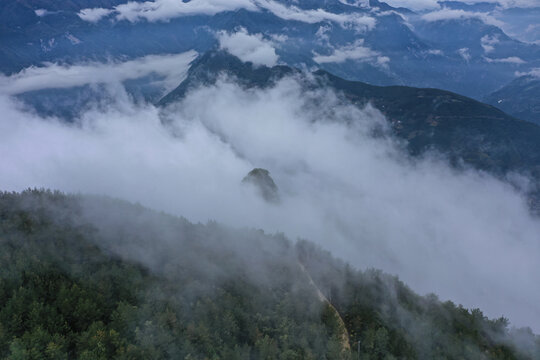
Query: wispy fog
[(344, 182), (57, 76)]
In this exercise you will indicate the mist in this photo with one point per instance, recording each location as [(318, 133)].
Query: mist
[(344, 182)]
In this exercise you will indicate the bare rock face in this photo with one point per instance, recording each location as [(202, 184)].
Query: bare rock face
[(261, 179)]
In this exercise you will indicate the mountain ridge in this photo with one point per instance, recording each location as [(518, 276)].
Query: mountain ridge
[(426, 118), (86, 283)]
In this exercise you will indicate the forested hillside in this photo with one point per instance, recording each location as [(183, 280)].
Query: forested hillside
[(95, 278)]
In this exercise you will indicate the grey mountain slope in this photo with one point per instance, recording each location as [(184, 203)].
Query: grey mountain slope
[(403, 51), (464, 129), (520, 98)]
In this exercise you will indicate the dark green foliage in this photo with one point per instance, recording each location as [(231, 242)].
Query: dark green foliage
[(94, 278)]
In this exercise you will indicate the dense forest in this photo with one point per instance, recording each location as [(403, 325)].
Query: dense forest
[(85, 277)]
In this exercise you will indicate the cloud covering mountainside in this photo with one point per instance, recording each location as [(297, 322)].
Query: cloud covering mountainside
[(472, 48), (345, 182), (346, 128)]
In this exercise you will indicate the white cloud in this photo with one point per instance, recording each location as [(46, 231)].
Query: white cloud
[(535, 72), (458, 14), (509, 60), (42, 12), (358, 21), (72, 39), (463, 235), (279, 38), (357, 3), (416, 5), (383, 61), (425, 5), (355, 51), (248, 47), (173, 67), (464, 53), (94, 15), (322, 33), (435, 52), (164, 10), (506, 4), (487, 42)]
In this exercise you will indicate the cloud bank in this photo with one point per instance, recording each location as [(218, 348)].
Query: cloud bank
[(509, 60), (354, 51), (458, 14), (358, 21), (246, 47), (488, 43), (425, 5), (415, 5), (93, 15), (463, 235), (507, 4), (164, 10), (54, 76), (535, 72)]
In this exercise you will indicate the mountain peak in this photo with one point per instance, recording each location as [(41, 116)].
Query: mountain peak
[(264, 183), (206, 69)]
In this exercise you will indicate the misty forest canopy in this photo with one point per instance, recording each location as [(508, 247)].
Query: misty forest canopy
[(90, 277), (96, 278), (269, 179)]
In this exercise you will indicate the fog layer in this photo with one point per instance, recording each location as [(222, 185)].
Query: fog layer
[(344, 182)]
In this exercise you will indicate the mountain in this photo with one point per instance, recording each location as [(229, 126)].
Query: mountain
[(467, 52), (263, 182), (463, 129), (520, 98), (79, 279)]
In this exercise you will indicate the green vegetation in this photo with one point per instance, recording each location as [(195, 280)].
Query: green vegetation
[(94, 278)]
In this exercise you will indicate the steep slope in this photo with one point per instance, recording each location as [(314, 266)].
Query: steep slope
[(368, 41), (95, 278), (520, 98), (459, 127)]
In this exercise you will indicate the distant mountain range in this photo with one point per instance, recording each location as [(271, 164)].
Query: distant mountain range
[(463, 129), (92, 277), (520, 98), (458, 47)]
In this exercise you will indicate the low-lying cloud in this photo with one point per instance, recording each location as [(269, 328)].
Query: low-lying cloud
[(56, 76), (358, 21), (535, 72), (165, 10), (356, 51), (508, 60), (249, 47), (415, 5), (458, 14), (425, 5), (507, 4), (344, 182), (94, 15), (488, 43)]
